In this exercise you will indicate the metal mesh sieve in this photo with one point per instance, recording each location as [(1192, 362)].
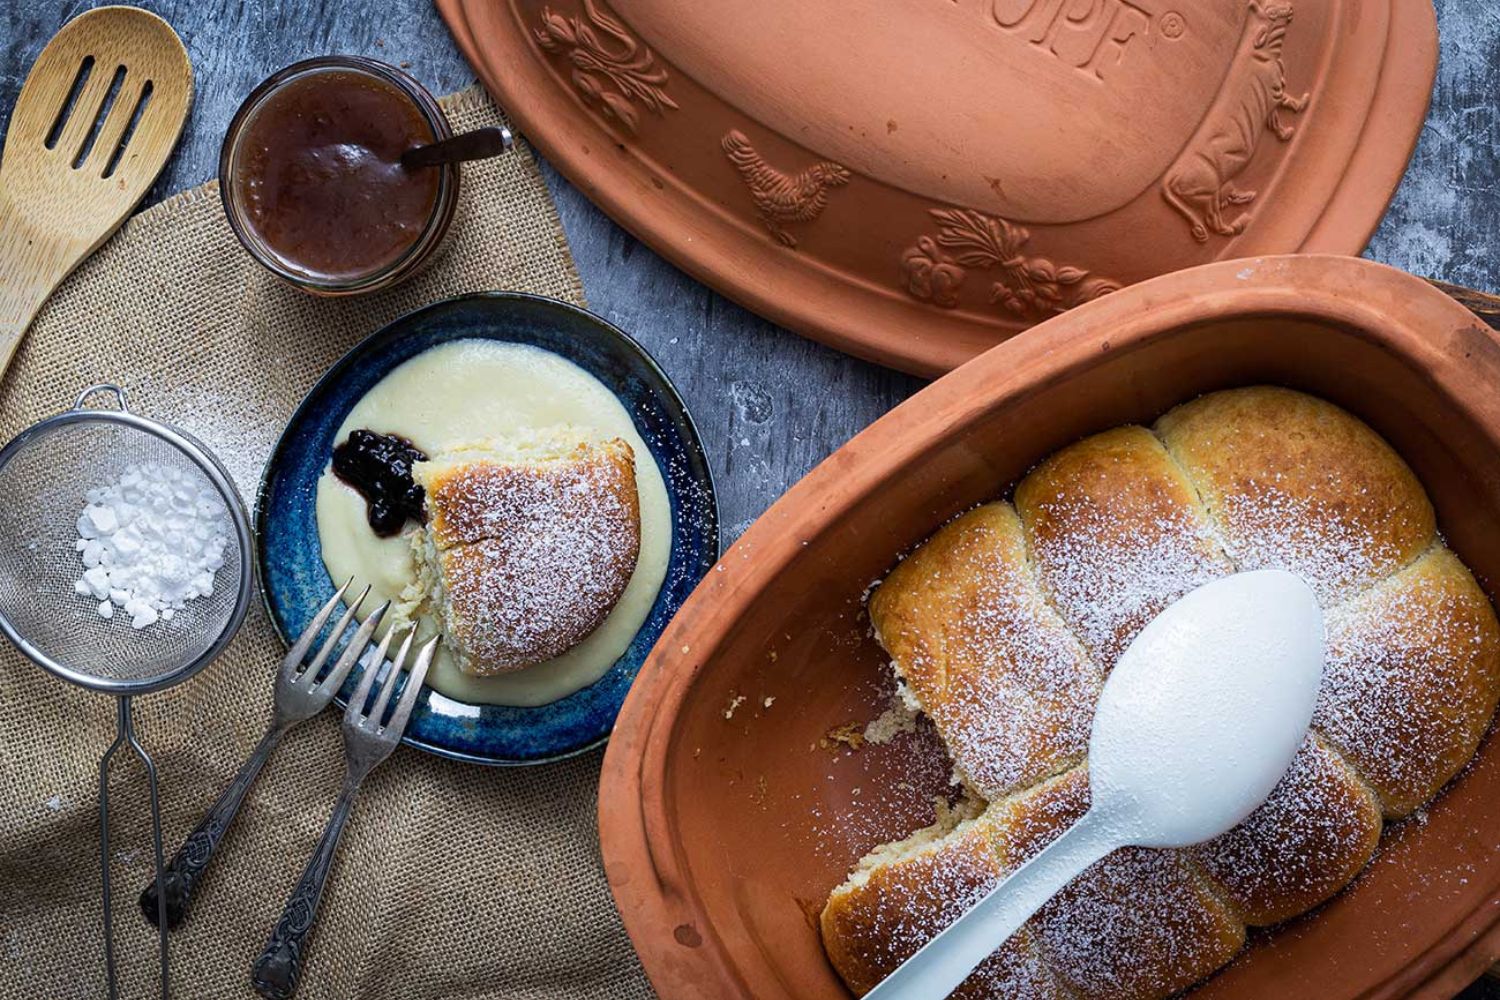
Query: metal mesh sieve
[(44, 475)]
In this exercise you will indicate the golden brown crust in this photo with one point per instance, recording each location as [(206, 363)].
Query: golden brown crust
[(1116, 534), (1138, 924), (1412, 679), (1024, 823), (1292, 482), (872, 927), (1011, 691), (1115, 528), (1318, 829), (531, 555), (488, 494)]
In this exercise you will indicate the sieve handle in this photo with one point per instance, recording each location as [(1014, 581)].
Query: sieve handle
[(125, 736), (119, 393)]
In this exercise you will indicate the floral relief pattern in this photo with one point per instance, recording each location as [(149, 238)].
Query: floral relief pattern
[(931, 275), (934, 269), (610, 67)]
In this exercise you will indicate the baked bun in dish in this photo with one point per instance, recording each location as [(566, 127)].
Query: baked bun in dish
[(1003, 626), (528, 545)]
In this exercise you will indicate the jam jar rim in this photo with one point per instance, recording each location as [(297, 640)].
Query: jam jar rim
[(433, 230)]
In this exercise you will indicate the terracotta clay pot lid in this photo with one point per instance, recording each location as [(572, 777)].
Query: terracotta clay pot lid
[(731, 801), (915, 187)]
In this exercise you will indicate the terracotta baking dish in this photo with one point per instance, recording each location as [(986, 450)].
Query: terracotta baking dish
[(730, 807), (913, 181)]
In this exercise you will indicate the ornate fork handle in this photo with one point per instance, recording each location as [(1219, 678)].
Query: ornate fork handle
[(191, 860), (275, 974)]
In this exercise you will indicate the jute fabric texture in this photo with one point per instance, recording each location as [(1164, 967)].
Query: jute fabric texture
[(453, 881)]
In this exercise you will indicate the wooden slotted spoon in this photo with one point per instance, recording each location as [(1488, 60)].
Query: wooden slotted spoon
[(92, 128)]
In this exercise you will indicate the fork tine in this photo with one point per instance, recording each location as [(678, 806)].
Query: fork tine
[(355, 710), (350, 656), (333, 637), (413, 686), (305, 640), (378, 712)]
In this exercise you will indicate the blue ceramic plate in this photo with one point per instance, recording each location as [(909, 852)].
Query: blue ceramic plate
[(291, 560)]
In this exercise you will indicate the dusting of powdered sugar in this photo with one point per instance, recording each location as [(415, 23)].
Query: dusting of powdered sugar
[(533, 557), (1271, 530), (906, 782), (1011, 690), (1112, 573), (1407, 692), (1137, 923), (929, 881), (1017, 691), (558, 562), (150, 542), (1116, 929), (1402, 683), (1319, 826)]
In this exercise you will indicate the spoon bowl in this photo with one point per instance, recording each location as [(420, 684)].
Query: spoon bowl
[(1198, 721), (1204, 711)]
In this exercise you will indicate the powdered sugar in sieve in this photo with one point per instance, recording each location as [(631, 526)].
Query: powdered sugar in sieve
[(151, 541)]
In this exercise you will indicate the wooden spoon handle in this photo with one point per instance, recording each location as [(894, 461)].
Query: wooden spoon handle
[(32, 264), (1482, 304)]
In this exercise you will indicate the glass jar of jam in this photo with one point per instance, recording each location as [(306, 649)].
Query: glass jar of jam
[(312, 181)]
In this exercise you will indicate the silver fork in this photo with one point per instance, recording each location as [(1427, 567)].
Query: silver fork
[(300, 695), (367, 742)]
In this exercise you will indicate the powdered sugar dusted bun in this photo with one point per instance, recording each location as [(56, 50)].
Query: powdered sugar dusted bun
[(1295, 483), (982, 653), (528, 545), (1137, 924), (1112, 530), (1318, 829), (906, 893), (1412, 679), (1117, 534)]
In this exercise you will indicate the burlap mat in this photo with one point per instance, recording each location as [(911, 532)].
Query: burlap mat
[(452, 880)]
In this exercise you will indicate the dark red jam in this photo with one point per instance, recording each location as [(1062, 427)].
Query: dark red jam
[(320, 173), (378, 466)]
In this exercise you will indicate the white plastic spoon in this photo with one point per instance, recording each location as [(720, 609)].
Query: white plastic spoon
[(1196, 725)]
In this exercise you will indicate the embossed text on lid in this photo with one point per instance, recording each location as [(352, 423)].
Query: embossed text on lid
[(916, 180)]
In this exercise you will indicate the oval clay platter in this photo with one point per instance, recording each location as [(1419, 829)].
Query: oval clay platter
[(916, 180), (732, 802)]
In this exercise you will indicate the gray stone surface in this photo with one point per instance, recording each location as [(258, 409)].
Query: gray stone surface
[(769, 403)]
